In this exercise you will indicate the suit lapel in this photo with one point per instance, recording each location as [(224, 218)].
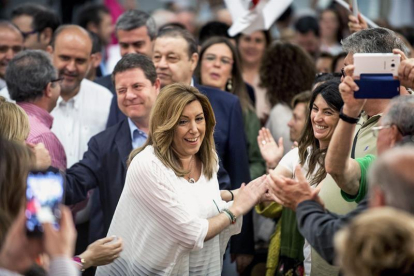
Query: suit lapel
[(123, 141)]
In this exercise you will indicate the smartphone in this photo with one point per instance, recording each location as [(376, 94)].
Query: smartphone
[(44, 193), (376, 64), (381, 86)]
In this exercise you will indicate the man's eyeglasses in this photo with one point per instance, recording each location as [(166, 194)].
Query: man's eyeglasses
[(26, 34), (343, 72), (375, 130), (224, 60), (58, 80)]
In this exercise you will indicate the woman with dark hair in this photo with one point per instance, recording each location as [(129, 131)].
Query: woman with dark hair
[(171, 214), (286, 71), (323, 117), (219, 67), (252, 48), (330, 25)]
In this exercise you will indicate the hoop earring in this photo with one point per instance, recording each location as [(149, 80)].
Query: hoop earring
[(229, 85)]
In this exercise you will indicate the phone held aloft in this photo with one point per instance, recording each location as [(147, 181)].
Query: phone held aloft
[(377, 75), (44, 194)]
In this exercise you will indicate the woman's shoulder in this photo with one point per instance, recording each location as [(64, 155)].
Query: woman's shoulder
[(145, 158)]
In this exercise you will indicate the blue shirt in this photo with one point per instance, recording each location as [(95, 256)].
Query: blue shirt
[(138, 137)]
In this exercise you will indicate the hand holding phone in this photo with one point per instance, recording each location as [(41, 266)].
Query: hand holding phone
[(43, 195)]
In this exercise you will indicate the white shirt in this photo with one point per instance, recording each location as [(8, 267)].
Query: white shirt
[(4, 92), (80, 118), (162, 219), (277, 123)]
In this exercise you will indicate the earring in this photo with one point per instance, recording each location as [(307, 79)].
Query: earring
[(229, 85)]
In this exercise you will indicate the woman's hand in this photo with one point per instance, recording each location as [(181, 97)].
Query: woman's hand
[(102, 252), (271, 151), (248, 196), (42, 156)]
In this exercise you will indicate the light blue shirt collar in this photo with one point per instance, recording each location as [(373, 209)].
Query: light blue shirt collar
[(138, 137)]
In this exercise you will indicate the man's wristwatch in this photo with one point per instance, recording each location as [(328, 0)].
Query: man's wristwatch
[(80, 262)]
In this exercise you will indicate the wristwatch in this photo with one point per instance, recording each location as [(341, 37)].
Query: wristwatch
[(80, 262), (346, 118)]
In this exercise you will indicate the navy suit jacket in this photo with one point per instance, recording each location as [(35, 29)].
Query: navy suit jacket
[(103, 166), (231, 148)]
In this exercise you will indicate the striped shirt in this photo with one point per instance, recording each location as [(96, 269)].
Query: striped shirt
[(40, 122)]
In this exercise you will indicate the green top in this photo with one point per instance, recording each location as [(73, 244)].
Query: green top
[(251, 128), (364, 164), (291, 241)]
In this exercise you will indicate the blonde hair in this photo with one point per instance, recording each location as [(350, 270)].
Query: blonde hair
[(13, 121), (164, 119), (378, 242)]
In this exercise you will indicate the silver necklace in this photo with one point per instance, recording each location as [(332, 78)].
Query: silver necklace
[(190, 179)]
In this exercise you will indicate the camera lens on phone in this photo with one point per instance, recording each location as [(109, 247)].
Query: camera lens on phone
[(392, 65)]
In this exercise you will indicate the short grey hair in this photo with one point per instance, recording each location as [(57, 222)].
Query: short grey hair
[(28, 74), (392, 173), (401, 114), (375, 40), (134, 19)]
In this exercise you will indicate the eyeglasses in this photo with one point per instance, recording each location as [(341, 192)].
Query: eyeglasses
[(375, 130), (58, 80), (5, 49), (26, 34), (224, 60), (343, 72)]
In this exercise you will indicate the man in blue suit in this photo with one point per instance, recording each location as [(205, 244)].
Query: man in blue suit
[(104, 163)]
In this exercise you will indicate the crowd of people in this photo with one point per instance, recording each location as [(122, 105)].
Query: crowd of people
[(198, 153)]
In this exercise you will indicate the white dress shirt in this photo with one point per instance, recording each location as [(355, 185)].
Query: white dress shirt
[(80, 118)]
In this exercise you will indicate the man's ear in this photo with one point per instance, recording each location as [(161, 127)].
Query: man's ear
[(194, 61), (49, 49), (48, 90), (377, 197), (96, 59), (157, 85), (395, 136), (92, 27), (46, 36)]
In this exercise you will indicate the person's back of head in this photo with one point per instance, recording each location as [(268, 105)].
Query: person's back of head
[(36, 68), (377, 242), (286, 70), (374, 40), (211, 29), (13, 121), (15, 163)]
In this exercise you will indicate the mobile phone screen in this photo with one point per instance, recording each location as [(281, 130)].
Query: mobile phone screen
[(43, 194)]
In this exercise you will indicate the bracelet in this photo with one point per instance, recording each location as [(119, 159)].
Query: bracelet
[(80, 262), (346, 118), (232, 195), (231, 216)]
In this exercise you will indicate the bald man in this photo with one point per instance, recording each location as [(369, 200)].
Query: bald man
[(11, 42), (82, 110)]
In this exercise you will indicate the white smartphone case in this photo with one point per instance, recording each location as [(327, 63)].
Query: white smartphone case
[(376, 64)]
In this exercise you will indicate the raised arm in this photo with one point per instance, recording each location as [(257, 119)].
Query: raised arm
[(344, 170)]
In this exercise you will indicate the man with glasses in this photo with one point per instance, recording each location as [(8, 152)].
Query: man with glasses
[(37, 95), (11, 42), (37, 24)]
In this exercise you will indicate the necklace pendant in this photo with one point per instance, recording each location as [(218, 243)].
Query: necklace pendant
[(191, 180)]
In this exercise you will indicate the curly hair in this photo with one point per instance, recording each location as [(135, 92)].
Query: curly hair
[(286, 70)]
